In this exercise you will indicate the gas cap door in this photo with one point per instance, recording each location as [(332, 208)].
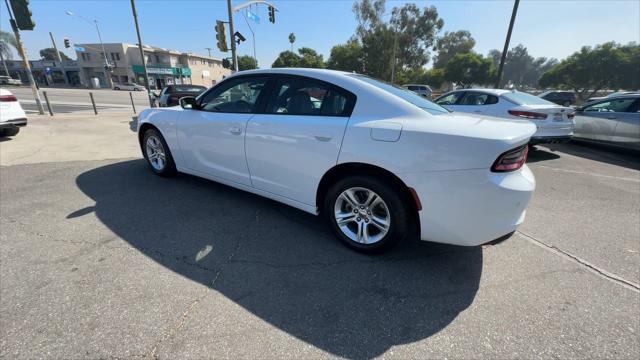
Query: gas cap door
[(386, 131)]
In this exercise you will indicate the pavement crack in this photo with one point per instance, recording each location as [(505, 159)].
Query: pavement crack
[(583, 263)]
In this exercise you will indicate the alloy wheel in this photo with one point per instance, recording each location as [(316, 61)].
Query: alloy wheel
[(155, 153), (362, 215)]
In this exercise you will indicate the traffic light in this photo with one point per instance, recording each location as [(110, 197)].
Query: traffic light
[(221, 36), (67, 43), (226, 63), (272, 14), (22, 14)]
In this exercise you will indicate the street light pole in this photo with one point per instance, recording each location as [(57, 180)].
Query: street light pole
[(234, 54), (506, 43), (209, 50), (144, 61), (253, 35), (55, 48), (106, 61)]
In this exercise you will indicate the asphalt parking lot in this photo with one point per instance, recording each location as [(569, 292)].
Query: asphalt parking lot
[(99, 258)]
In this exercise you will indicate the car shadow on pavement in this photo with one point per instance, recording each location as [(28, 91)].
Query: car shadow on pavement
[(540, 154), (597, 152), (283, 265)]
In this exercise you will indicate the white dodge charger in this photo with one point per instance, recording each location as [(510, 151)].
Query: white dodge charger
[(376, 160)]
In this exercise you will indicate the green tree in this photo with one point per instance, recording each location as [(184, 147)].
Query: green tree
[(246, 62), (7, 41), (286, 59), (432, 77), (347, 57), (589, 70), (292, 39), (469, 69), (310, 58), (404, 40), (50, 54), (521, 69), (450, 44)]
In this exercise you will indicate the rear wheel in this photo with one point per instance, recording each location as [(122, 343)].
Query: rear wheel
[(566, 103), (157, 153), (366, 214)]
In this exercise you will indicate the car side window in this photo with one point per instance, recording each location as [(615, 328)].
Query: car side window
[(478, 98), (236, 96), (301, 96), (617, 105), (450, 99), (635, 107)]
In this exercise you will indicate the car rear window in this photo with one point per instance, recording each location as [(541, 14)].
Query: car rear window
[(407, 95), (522, 98), (187, 88)]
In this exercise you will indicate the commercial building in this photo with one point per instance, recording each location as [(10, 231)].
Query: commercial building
[(164, 66), (45, 72)]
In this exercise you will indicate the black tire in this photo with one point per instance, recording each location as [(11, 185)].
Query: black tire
[(566, 103), (169, 168), (400, 219), (10, 131)]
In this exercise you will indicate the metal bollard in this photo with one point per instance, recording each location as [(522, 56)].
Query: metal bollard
[(46, 98), (93, 102), (132, 104)]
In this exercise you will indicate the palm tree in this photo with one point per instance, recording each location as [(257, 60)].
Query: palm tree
[(292, 39), (7, 41)]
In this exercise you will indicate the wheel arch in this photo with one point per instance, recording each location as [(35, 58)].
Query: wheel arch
[(143, 128), (354, 168)]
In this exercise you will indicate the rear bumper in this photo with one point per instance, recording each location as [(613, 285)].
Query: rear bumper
[(471, 207), (13, 123), (549, 139)]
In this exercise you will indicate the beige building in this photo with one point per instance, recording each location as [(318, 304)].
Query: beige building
[(164, 66)]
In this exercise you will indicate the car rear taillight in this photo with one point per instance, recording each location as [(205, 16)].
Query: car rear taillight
[(528, 114), (570, 116), (511, 160), (8, 98)]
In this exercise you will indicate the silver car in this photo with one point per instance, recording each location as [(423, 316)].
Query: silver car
[(612, 121), (422, 90)]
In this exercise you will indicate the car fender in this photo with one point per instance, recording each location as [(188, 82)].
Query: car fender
[(165, 120)]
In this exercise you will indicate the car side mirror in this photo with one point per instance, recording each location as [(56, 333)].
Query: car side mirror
[(189, 102)]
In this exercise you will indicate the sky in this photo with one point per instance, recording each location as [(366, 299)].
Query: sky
[(547, 28)]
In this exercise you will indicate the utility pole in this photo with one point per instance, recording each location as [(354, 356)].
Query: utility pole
[(209, 50), (25, 60), (55, 47), (144, 61), (232, 38), (506, 43), (4, 64)]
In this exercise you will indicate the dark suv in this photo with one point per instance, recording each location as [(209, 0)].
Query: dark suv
[(564, 98)]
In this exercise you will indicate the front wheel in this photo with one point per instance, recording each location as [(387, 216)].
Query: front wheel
[(566, 103), (366, 214), (157, 153)]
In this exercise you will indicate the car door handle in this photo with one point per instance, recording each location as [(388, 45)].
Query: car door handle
[(324, 138), (478, 111), (236, 130)]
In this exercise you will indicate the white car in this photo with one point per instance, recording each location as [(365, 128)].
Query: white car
[(554, 123), (12, 117), (376, 160), (129, 87)]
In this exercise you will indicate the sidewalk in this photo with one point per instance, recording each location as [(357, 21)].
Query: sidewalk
[(71, 137)]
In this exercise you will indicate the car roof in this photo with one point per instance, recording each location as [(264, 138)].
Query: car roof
[(497, 92)]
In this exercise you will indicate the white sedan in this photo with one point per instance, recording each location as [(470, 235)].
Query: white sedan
[(129, 87), (554, 123), (376, 160), (12, 116)]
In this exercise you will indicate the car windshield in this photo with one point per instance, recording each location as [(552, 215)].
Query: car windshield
[(522, 98), (404, 94)]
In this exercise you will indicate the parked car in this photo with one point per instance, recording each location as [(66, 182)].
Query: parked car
[(554, 122), (7, 80), (612, 95), (172, 93), (614, 121), (12, 116), (129, 87), (564, 98), (422, 90), (376, 160)]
